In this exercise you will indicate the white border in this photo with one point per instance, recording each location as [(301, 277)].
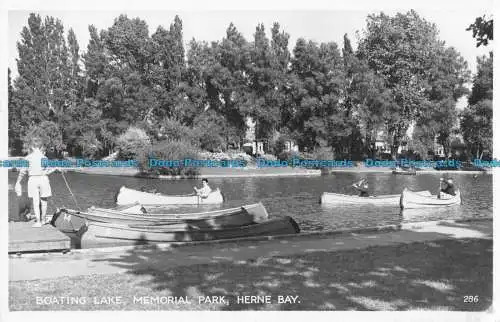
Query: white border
[(229, 5)]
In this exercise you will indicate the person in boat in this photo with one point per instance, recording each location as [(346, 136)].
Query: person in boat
[(205, 190), (362, 187), (39, 189), (446, 186)]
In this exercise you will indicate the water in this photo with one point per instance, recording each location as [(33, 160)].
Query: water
[(297, 197)]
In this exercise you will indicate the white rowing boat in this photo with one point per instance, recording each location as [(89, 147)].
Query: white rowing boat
[(130, 196), (414, 200)]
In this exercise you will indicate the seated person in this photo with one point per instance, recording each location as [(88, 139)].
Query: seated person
[(204, 191), (447, 187), (362, 187)]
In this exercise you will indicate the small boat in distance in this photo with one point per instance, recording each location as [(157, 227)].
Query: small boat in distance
[(415, 200), (130, 196), (404, 171)]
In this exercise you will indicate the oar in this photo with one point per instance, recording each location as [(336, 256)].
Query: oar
[(71, 192)]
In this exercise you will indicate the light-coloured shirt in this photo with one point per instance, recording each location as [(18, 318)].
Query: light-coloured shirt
[(204, 191), (35, 164)]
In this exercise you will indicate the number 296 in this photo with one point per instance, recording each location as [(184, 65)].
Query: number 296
[(471, 299)]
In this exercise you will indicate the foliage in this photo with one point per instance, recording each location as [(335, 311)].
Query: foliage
[(324, 97), (132, 143), (50, 135), (169, 150), (49, 81), (417, 83), (278, 145), (482, 30), (477, 119), (173, 130), (482, 86)]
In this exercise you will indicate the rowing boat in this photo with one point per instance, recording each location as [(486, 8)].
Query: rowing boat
[(68, 220), (414, 200), (129, 196), (337, 198), (400, 171), (96, 233)]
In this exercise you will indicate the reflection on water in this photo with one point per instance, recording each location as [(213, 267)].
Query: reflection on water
[(428, 214), (297, 197)]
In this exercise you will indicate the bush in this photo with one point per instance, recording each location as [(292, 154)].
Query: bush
[(322, 154), (211, 141), (210, 130), (132, 143), (174, 130), (288, 156), (277, 145), (170, 150)]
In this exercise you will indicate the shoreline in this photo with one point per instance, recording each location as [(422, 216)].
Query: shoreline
[(257, 172)]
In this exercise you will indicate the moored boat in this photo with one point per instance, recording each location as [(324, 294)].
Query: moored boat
[(413, 200), (129, 196), (96, 233), (337, 198), (68, 220)]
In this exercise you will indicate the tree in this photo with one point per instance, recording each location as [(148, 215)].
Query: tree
[(372, 103), (95, 61), (482, 30), (482, 86), (168, 71), (319, 120), (447, 77), (352, 74), (401, 50), (477, 129), (477, 118), (15, 126), (264, 74), (124, 92), (227, 83), (43, 89), (280, 62)]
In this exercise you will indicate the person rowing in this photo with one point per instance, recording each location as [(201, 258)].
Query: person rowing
[(448, 188), (205, 190), (362, 187)]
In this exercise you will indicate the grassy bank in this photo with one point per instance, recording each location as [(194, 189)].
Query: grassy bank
[(428, 269), (432, 276)]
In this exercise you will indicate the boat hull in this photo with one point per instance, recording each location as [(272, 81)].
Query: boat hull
[(414, 200), (94, 233), (337, 198), (68, 220), (127, 196)]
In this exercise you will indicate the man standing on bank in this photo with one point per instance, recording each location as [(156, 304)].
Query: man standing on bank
[(38, 181)]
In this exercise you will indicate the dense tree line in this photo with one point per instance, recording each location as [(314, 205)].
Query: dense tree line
[(327, 98)]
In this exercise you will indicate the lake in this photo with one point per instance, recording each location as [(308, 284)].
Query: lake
[(297, 197)]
